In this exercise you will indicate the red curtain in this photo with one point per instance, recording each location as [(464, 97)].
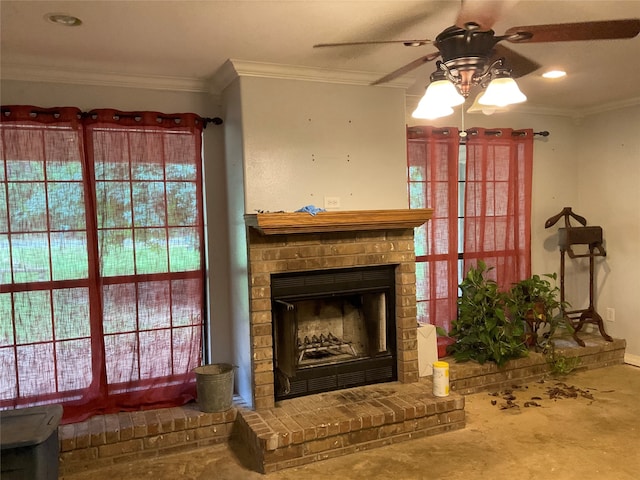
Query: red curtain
[(433, 183), (493, 194), (497, 212), (101, 263)]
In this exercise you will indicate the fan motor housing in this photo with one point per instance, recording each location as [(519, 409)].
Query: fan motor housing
[(455, 42)]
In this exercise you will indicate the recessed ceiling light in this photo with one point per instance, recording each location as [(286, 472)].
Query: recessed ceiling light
[(63, 19), (554, 74)]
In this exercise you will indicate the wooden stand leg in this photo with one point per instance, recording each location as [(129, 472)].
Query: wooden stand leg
[(586, 316), (591, 316), (576, 328)]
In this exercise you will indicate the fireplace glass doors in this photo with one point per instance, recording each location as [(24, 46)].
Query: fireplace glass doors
[(333, 329)]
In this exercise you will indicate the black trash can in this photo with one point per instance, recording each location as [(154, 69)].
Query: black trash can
[(29, 443)]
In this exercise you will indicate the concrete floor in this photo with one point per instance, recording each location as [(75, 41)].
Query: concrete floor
[(594, 435)]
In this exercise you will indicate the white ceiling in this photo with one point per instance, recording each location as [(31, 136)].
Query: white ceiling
[(189, 40)]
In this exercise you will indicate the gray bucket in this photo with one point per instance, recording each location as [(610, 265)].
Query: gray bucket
[(214, 384)]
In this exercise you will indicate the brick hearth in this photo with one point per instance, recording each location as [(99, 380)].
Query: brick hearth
[(317, 427)]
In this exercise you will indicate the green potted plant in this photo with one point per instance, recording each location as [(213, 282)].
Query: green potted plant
[(483, 331), (535, 302)]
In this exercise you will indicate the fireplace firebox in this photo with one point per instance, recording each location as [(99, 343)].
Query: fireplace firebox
[(333, 329)]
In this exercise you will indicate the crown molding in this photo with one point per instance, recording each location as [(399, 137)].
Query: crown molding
[(580, 113), (230, 70), (234, 68), (531, 109), (607, 107), (49, 74)]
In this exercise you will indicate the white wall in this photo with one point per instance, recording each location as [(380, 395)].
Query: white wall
[(609, 196), (305, 140), (239, 316), (88, 97)]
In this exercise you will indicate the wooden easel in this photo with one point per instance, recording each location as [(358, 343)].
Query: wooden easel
[(567, 237)]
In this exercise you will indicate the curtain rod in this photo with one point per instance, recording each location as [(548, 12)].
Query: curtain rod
[(516, 133), (205, 120), (473, 131), (217, 121)]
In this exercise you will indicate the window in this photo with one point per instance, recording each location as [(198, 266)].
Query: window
[(480, 191), (102, 270)]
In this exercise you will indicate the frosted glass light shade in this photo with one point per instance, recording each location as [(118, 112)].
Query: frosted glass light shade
[(443, 92), (438, 100), (431, 111), (486, 109), (502, 92)]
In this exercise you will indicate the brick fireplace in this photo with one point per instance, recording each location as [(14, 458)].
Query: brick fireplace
[(280, 243)]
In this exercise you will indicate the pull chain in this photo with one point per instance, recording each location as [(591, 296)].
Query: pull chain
[(463, 132)]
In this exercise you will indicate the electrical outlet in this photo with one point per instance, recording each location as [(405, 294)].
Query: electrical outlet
[(611, 314), (331, 203)]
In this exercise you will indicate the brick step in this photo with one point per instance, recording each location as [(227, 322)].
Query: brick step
[(115, 438), (471, 377), (316, 427)]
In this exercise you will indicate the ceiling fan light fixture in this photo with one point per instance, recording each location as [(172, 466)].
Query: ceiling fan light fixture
[(502, 91), (63, 19)]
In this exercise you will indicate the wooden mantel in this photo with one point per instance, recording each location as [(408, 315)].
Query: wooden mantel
[(339, 221)]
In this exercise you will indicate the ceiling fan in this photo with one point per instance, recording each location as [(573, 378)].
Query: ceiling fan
[(471, 53)]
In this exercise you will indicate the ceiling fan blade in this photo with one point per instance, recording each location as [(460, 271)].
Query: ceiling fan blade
[(395, 25), (569, 32), (408, 43), (482, 14), (519, 64), (407, 68)]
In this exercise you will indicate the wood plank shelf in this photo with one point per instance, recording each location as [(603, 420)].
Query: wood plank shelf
[(343, 221)]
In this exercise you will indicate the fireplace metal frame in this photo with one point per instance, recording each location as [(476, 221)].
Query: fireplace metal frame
[(344, 282)]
